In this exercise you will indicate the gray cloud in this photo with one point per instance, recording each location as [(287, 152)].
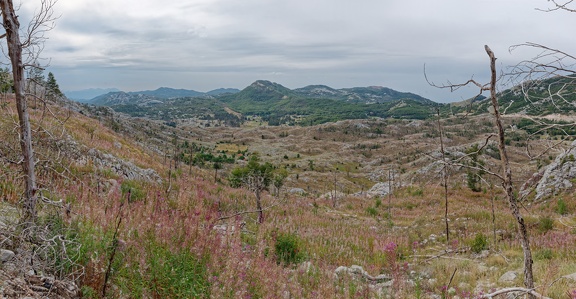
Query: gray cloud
[(206, 44)]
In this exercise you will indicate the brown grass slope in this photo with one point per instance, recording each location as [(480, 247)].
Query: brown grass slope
[(169, 239)]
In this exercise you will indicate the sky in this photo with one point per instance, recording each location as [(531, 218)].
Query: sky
[(203, 45)]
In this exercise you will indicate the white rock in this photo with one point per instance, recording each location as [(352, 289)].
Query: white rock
[(341, 270), (358, 270), (297, 191), (380, 189), (557, 175), (509, 276), (6, 255), (570, 276), (386, 284), (382, 277), (484, 254)]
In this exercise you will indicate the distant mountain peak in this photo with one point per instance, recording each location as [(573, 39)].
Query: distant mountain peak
[(267, 84), (85, 95), (262, 82)]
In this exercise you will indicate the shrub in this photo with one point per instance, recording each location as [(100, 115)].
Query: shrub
[(59, 252), (177, 275), (156, 271), (371, 211), (136, 192), (479, 243), (546, 224), (544, 254), (416, 191), (562, 209), (288, 249)]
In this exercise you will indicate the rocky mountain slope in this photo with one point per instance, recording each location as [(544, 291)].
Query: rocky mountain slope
[(360, 213)]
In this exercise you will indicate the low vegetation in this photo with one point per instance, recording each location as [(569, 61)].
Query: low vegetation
[(191, 236)]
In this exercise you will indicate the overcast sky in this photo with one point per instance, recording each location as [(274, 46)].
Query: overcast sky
[(207, 44)]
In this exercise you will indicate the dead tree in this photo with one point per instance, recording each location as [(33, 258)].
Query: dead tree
[(256, 177), (444, 177), (29, 47), (550, 70), (506, 176), (12, 27)]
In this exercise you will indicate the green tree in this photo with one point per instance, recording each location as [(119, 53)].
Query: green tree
[(475, 171), (256, 177), (216, 165), (52, 88), (279, 178)]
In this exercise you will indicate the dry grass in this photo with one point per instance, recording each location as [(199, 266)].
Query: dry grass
[(236, 255)]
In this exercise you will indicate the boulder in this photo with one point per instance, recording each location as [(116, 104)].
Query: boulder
[(380, 189), (558, 175), (508, 277), (298, 191), (6, 255), (361, 273)]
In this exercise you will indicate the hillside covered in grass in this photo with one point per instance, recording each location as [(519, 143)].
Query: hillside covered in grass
[(136, 209)]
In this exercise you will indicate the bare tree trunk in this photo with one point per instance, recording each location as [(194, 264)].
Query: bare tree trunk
[(493, 197), (390, 180), (259, 207), (445, 179), (12, 27), (335, 196), (507, 183)]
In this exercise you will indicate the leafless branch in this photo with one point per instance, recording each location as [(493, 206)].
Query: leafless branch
[(548, 62), (248, 212), (557, 5), (42, 22), (454, 87), (513, 289)]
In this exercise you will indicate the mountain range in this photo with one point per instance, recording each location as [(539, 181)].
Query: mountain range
[(86, 95), (314, 104), (272, 102)]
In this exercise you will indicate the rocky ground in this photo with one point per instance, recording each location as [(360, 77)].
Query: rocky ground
[(21, 272)]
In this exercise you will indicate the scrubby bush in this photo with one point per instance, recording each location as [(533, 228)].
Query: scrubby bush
[(371, 211), (479, 243), (562, 209), (288, 249), (546, 224), (134, 188), (544, 254)]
